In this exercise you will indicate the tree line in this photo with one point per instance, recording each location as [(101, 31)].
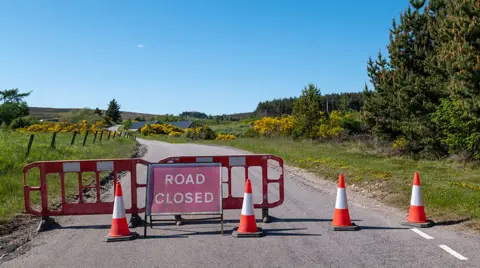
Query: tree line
[(425, 96), (330, 102)]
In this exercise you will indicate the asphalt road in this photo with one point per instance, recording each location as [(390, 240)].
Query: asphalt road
[(298, 236)]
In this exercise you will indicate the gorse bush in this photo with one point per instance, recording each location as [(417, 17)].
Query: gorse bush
[(225, 137), (203, 133), (163, 129), (64, 127), (268, 126), (328, 126)]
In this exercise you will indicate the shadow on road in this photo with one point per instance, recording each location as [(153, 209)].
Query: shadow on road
[(451, 222), (267, 232), (381, 228), (275, 219), (58, 226), (272, 220), (279, 232)]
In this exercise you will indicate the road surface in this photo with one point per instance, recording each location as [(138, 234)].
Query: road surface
[(298, 237)]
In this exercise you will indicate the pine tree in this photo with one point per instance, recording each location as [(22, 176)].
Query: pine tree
[(458, 35), (307, 111), (407, 90), (97, 111), (113, 111)]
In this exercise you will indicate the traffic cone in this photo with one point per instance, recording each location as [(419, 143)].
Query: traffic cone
[(119, 230), (416, 215), (341, 217), (248, 225)]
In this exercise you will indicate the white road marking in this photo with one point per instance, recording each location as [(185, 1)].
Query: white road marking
[(421, 233), (453, 252)]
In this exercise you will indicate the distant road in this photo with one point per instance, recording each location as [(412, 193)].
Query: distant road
[(298, 236), (114, 128)]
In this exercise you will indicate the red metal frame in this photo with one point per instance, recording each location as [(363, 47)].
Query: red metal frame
[(118, 165), (80, 166), (246, 161)]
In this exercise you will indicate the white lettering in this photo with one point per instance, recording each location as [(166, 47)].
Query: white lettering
[(181, 177), (198, 197), (189, 179), (175, 198), (188, 198), (200, 176), (156, 198), (168, 179), (206, 198)]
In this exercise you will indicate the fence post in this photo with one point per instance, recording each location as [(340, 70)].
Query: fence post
[(109, 132), (114, 133), (30, 142), (101, 135), (95, 136), (85, 139), (73, 138), (52, 145)]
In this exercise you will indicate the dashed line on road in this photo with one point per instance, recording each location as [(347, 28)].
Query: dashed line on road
[(453, 252), (424, 235)]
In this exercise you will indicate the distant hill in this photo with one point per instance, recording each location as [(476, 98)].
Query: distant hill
[(52, 113)]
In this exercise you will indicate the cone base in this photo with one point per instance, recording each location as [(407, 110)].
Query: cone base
[(352, 227), (426, 224), (131, 236), (260, 233)]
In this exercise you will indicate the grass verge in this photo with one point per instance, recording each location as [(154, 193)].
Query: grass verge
[(236, 129), (13, 146), (451, 192)]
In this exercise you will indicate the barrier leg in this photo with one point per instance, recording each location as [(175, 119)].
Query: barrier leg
[(45, 223), (265, 216), (135, 221), (179, 219)]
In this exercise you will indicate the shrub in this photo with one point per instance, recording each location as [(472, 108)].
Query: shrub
[(23, 122), (203, 132), (64, 127), (268, 126), (175, 134), (250, 133), (225, 137), (159, 129), (331, 128), (353, 123)]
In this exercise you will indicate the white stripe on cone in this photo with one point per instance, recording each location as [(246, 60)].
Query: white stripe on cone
[(118, 208), (247, 207), (416, 196), (341, 202)]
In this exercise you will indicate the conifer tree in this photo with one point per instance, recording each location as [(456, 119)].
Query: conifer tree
[(406, 91), (307, 110), (113, 111)]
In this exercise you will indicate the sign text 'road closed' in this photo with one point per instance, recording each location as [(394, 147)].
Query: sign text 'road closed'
[(184, 188)]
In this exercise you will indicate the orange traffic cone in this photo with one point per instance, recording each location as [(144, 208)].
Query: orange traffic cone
[(248, 225), (119, 230), (341, 217), (416, 216)]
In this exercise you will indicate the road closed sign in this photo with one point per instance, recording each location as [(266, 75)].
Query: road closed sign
[(184, 189)]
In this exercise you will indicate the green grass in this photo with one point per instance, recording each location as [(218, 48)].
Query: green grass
[(450, 192), (13, 146), (234, 128)]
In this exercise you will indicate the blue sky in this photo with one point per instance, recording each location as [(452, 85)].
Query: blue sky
[(172, 56)]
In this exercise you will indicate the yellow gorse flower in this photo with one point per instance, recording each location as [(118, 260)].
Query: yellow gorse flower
[(165, 129), (225, 137), (274, 125), (65, 127)]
